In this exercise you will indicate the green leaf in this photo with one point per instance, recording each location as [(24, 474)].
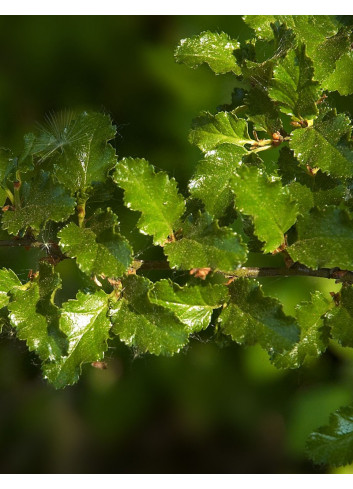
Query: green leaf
[(303, 196), (86, 325), (314, 333), (340, 319), (326, 56), (192, 305), (206, 245), (261, 24), (327, 45), (209, 131), (8, 280), (333, 444), (268, 203), (210, 182), (250, 318), (78, 149), (324, 145), (342, 78), (292, 85), (41, 201), (215, 49), (153, 194), (7, 165), (325, 239), (106, 253), (308, 189), (143, 325), (262, 111), (35, 316)]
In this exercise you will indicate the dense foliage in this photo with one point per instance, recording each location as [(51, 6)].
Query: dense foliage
[(275, 179)]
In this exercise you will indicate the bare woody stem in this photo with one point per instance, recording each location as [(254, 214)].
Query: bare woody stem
[(295, 270)]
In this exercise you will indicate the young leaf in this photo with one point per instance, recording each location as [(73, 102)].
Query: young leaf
[(206, 245), (324, 145), (105, 253), (325, 239), (144, 325), (292, 85), (41, 201), (153, 194), (35, 316), (8, 280), (86, 325), (215, 49), (333, 444), (192, 305), (250, 318), (209, 131), (210, 182), (79, 151), (314, 333), (267, 202)]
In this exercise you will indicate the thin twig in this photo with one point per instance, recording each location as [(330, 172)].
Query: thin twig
[(296, 270)]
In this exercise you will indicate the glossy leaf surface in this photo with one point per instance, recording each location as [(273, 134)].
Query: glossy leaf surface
[(193, 305), (268, 203), (86, 325), (215, 49), (325, 239), (211, 181), (204, 244), (333, 444), (250, 318), (153, 194), (106, 253), (144, 325), (325, 145), (210, 131)]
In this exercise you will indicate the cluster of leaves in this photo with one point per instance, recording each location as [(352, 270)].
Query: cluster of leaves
[(285, 189)]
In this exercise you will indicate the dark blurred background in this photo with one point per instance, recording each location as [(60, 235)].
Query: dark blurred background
[(212, 408)]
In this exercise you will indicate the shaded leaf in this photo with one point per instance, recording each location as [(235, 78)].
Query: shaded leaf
[(41, 201), (333, 444), (324, 145), (325, 239), (77, 149), (293, 87), (314, 333), (204, 244), (143, 325), (340, 319), (250, 318)]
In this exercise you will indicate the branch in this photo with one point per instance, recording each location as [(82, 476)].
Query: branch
[(26, 242), (295, 270), (254, 272)]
